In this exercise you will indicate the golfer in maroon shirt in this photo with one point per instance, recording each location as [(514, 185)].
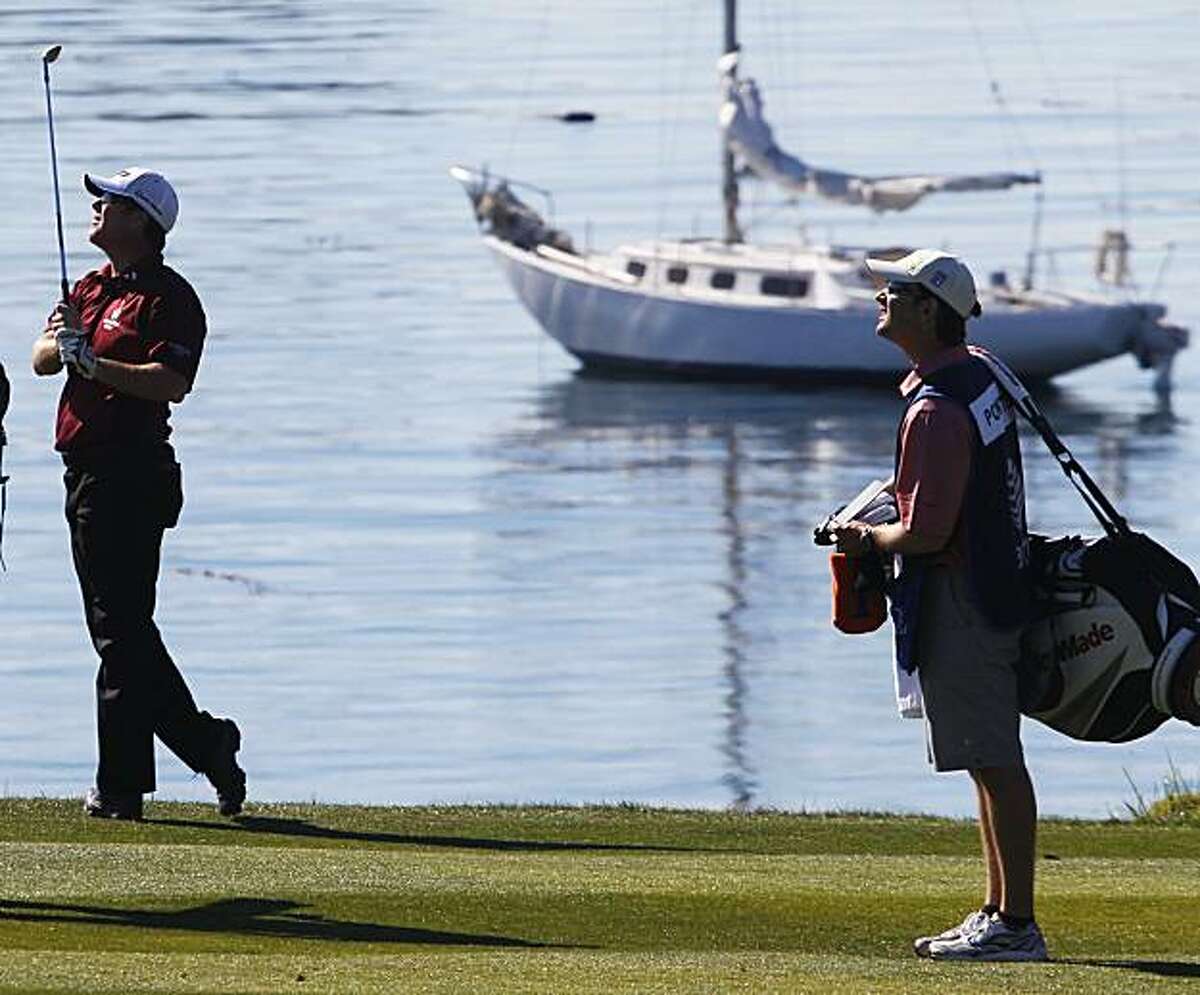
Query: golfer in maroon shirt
[(130, 340)]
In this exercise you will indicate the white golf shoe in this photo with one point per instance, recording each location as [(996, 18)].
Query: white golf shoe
[(993, 941), (973, 922)]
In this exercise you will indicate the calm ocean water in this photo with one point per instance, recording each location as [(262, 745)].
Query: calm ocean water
[(422, 560)]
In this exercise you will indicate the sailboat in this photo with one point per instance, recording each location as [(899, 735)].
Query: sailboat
[(723, 308)]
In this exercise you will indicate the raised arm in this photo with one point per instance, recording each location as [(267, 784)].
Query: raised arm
[(149, 381), (46, 361), (63, 340)]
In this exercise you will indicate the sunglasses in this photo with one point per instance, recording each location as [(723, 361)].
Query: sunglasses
[(108, 200), (905, 290)]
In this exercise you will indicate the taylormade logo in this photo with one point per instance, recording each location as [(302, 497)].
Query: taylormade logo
[(1079, 643)]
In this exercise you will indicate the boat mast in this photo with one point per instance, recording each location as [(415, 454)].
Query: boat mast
[(729, 185)]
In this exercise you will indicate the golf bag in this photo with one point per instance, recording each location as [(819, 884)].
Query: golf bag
[(1112, 651)]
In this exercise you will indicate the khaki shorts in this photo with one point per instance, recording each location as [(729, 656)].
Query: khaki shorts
[(968, 679)]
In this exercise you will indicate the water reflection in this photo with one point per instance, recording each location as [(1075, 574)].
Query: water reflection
[(761, 465), (814, 425), (739, 776), (769, 459), (1110, 432), (1123, 413)]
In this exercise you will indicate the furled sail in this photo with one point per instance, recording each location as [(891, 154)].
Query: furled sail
[(748, 134)]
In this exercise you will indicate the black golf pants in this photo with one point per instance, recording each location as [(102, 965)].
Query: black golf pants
[(117, 511)]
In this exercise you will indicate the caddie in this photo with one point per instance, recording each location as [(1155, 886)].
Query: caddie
[(963, 587)]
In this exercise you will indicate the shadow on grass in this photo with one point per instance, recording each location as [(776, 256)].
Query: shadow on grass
[(276, 918), (300, 827), (1162, 968)]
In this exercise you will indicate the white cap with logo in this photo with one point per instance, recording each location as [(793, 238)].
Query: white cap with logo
[(149, 190), (942, 274)]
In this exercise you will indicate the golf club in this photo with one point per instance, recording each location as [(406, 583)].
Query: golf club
[(49, 56)]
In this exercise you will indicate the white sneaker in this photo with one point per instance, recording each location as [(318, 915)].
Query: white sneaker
[(993, 941), (973, 922)]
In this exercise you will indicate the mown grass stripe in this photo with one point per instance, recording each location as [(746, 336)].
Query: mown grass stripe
[(115, 870), (584, 972), (561, 899)]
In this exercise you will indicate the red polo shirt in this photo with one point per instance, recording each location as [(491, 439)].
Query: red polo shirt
[(936, 446), (148, 314)]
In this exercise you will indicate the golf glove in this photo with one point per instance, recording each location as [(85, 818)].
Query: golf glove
[(75, 353)]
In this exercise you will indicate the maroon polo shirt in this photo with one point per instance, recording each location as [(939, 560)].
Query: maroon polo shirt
[(148, 314), (936, 448)]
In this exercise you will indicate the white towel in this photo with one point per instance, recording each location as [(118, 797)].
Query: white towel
[(908, 692)]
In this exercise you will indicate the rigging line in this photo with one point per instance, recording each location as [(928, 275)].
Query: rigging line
[(997, 92), (664, 34), (755, 200), (781, 44), (680, 96), (1122, 178), (531, 66), (773, 47), (767, 57), (766, 212), (798, 44), (1162, 269), (772, 50), (1055, 87), (1122, 171), (764, 60)]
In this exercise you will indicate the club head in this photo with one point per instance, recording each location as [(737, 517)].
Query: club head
[(51, 54)]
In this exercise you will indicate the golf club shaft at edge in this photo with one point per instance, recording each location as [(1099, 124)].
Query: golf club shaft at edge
[(47, 57)]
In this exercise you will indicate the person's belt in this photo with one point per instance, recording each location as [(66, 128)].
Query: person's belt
[(114, 456)]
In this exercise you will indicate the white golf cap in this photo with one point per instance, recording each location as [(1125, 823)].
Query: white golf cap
[(149, 190), (940, 273)]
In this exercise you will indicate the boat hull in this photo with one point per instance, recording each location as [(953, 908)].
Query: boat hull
[(609, 325)]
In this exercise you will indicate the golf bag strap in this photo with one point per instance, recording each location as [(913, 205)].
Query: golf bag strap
[(1108, 516), (1099, 505)]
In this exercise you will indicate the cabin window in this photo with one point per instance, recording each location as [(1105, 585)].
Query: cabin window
[(635, 267), (677, 274), (784, 286), (723, 279)]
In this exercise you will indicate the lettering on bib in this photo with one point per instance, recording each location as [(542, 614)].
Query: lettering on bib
[(992, 414)]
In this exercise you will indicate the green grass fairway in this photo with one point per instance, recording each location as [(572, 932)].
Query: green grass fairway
[(307, 898)]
